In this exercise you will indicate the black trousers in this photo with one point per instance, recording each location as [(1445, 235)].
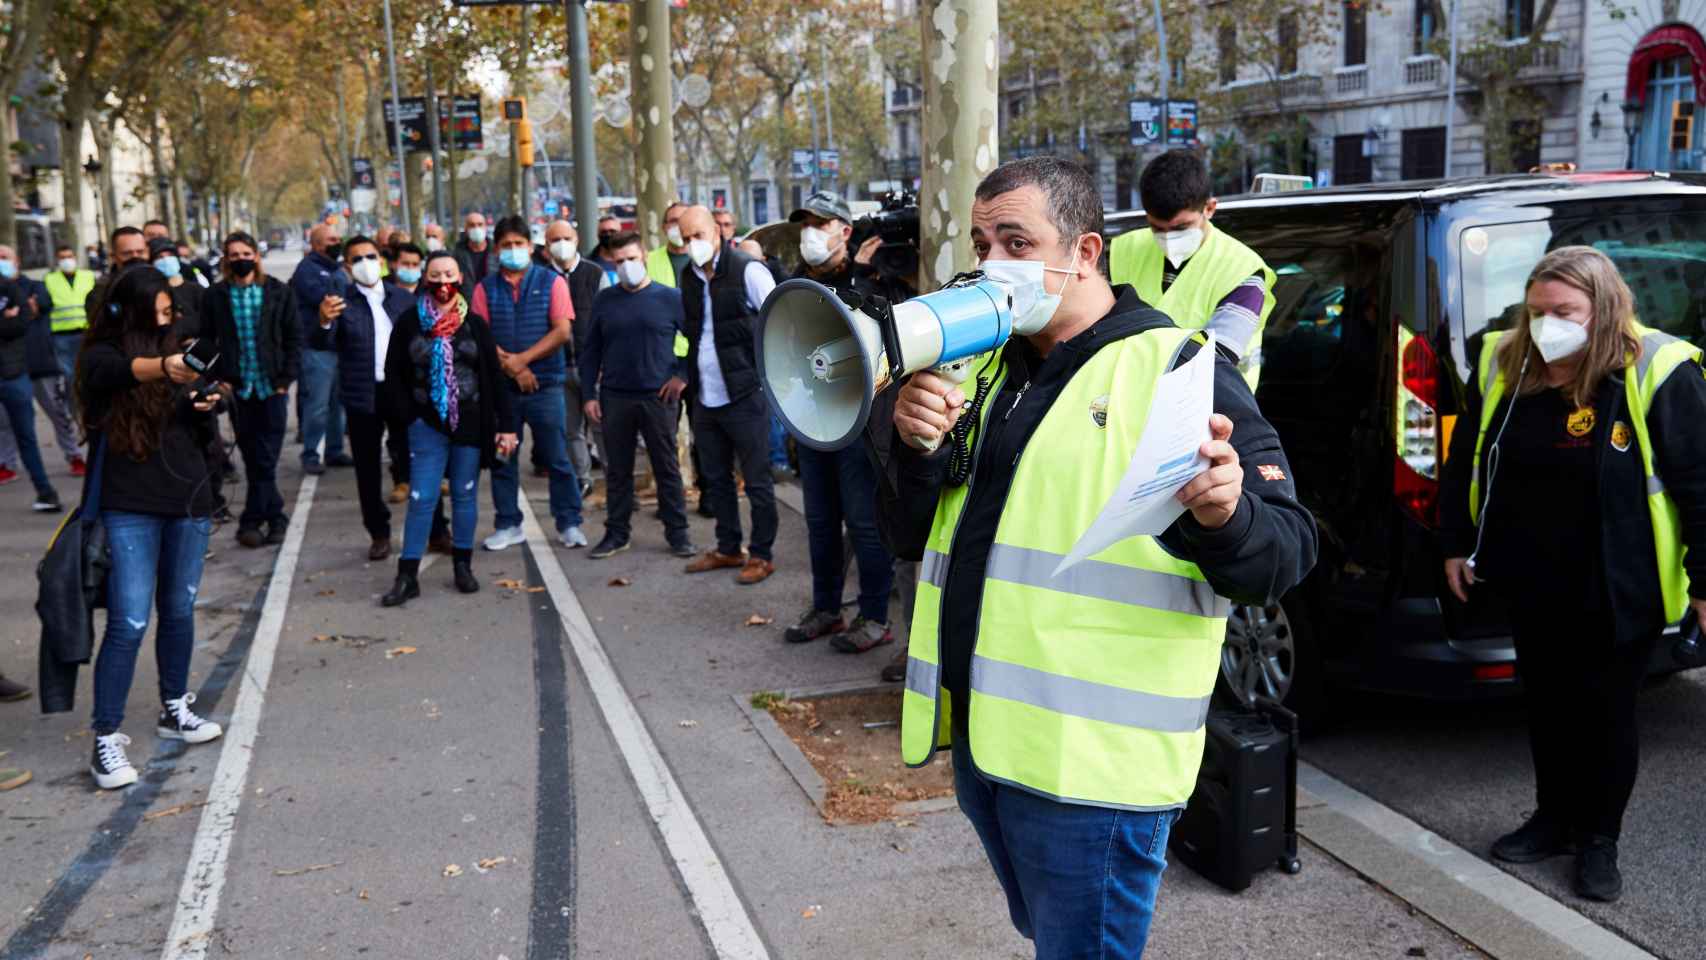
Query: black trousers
[(1580, 691), (367, 434), (626, 419), (260, 436), (738, 432), (397, 444)]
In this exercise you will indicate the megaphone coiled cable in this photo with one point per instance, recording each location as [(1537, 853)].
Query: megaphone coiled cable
[(960, 456)]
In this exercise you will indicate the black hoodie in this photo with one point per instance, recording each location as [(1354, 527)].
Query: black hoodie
[(1261, 553)]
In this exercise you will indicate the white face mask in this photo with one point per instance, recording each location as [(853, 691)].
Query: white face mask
[(476, 234), (1033, 305), (814, 246), (1557, 339), (701, 251), (365, 272), (632, 273), (1178, 245), (68, 265), (564, 252), (674, 235), (434, 244)]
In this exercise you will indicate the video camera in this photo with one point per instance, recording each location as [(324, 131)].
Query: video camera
[(897, 224)]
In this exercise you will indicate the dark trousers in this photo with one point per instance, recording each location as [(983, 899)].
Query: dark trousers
[(738, 432), (1580, 690), (260, 437), (627, 418), (841, 489), (397, 444), (367, 433)]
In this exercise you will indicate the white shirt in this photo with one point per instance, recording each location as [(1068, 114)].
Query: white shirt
[(713, 392), (381, 327)]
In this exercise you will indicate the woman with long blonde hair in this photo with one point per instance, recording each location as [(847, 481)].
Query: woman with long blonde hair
[(1576, 492)]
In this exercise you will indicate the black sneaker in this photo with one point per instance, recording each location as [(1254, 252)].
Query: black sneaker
[(1540, 838), (684, 548), (608, 547), (313, 468), (178, 722), (47, 501), (1597, 876), (340, 460), (276, 531), (12, 691), (108, 763), (814, 625), (251, 537)]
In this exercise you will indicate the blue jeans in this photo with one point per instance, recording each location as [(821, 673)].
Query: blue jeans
[(543, 412), (431, 455), (66, 346), (778, 443), (18, 397), (156, 565), (322, 412), (841, 487), (1080, 881)]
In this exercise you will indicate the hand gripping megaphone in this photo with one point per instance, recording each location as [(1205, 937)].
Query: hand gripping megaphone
[(823, 358)]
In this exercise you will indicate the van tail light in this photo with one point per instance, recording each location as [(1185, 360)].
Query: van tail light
[(1415, 475)]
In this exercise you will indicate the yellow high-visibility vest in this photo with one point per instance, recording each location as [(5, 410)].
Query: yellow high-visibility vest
[(70, 296)]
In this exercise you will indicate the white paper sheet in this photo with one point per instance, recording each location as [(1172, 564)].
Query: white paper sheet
[(1167, 458)]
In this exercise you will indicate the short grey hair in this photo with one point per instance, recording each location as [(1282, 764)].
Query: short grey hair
[(1074, 202)]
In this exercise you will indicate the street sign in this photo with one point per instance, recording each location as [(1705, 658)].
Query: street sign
[(800, 165), (414, 124), (464, 123), (361, 173), (1146, 123), (1181, 123), (829, 163)]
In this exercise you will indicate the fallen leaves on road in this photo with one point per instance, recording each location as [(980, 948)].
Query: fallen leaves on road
[(362, 895), (620, 582), (811, 911), (759, 620), (172, 811), (314, 868), (452, 870), (327, 593), (352, 641), (431, 709), (687, 723), (396, 652), (487, 863), (535, 589), (511, 585)]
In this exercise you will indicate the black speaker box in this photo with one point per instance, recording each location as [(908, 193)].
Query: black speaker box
[(1243, 815)]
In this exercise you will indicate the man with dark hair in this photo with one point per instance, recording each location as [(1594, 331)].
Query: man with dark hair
[(475, 252), (154, 230), (47, 380), (529, 310), (129, 246), (1077, 698), (410, 261), (1191, 271), (69, 288), (720, 297), (319, 277), (725, 225), (634, 369)]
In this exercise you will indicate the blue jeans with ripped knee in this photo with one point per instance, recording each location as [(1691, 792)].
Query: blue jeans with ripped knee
[(156, 567)]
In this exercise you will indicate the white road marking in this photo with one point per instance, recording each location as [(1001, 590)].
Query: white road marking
[(727, 924), (204, 877)]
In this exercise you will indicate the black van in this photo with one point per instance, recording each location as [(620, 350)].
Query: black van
[(1379, 288)]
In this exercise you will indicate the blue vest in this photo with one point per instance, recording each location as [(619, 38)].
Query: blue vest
[(519, 325)]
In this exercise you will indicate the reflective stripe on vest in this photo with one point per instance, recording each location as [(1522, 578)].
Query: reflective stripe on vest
[(1209, 275), (1091, 686), (1661, 354), (70, 299)]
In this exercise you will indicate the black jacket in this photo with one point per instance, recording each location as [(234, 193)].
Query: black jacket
[(38, 343), (351, 335), (732, 319), (1259, 555), (14, 330), (465, 258), (1628, 558), (278, 341), (72, 578), (496, 402)]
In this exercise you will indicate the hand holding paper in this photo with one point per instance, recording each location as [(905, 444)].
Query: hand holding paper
[(1212, 496)]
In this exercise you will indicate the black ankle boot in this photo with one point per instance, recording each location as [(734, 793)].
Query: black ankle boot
[(462, 568), (407, 586)]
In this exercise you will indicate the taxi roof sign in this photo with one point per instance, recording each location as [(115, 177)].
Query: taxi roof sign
[(1280, 183)]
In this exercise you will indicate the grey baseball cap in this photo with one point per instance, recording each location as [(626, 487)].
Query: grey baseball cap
[(826, 204)]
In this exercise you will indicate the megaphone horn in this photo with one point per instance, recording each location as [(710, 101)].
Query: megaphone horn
[(822, 361)]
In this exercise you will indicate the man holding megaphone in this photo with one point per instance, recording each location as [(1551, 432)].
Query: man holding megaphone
[(1074, 702)]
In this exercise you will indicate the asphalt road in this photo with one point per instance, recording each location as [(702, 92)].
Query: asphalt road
[(376, 769)]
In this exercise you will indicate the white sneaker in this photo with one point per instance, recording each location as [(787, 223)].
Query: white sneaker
[(505, 538), (110, 766), (572, 538), (178, 722)]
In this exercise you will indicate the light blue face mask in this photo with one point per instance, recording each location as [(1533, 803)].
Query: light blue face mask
[(168, 265), (8, 269), (409, 275), (513, 258)]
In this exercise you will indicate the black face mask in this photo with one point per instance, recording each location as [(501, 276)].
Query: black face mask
[(334, 251), (242, 268)]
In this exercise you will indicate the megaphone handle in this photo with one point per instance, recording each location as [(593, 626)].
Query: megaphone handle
[(955, 373)]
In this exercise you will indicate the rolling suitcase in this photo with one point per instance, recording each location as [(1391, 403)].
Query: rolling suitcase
[(1243, 814)]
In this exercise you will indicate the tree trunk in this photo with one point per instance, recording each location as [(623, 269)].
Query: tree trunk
[(102, 129), (654, 160), (73, 114), (960, 147)]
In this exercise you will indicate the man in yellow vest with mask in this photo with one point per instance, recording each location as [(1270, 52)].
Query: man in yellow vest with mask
[(1187, 268), (1074, 703), (68, 289), (664, 264)]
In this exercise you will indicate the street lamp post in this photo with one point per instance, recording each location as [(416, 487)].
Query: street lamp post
[(1631, 128), (92, 167)]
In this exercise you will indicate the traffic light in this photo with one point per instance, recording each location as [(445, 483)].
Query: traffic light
[(524, 142)]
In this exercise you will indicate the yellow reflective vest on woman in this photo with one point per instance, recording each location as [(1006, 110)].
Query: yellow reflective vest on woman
[(1091, 686), (1661, 355)]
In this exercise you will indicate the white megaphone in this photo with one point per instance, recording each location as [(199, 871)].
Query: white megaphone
[(822, 361)]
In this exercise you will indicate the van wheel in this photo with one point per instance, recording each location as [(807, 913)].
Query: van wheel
[(1269, 652)]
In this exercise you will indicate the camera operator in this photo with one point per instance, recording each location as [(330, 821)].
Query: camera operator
[(156, 503), (841, 485)]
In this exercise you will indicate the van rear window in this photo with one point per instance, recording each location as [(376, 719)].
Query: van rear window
[(1662, 258)]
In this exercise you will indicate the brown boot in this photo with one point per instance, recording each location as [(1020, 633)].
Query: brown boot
[(441, 543), (379, 549), (755, 571), (712, 560), (399, 493), (895, 670)]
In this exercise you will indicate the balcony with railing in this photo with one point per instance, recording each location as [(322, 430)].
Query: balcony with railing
[(1424, 70), (1549, 57), (1351, 81), (1265, 95)]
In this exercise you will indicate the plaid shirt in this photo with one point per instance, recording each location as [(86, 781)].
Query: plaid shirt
[(246, 312)]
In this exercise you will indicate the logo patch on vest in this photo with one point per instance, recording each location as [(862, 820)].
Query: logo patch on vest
[(1620, 436), (1580, 423), (1099, 411)]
